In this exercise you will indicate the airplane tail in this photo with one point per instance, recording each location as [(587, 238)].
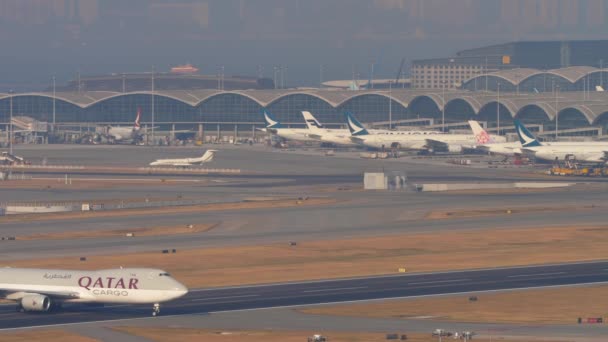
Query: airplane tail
[(354, 126), (482, 137), (311, 122), (271, 122), (526, 138), (208, 156), (136, 123)]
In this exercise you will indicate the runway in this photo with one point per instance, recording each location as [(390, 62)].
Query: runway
[(204, 301)]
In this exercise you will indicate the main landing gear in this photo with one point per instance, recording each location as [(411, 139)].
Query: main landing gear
[(156, 310)]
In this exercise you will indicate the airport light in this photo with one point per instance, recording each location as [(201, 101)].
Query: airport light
[(10, 124), (556, 109), (498, 110), (54, 103), (152, 105), (602, 73), (320, 76), (390, 105), (443, 83)]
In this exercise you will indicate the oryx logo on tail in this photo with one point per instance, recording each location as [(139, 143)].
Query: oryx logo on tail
[(526, 138), (271, 122), (355, 127)]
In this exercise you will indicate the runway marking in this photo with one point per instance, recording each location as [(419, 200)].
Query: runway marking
[(295, 306), (535, 275), (403, 275), (121, 179), (228, 297), (336, 289), (438, 281)]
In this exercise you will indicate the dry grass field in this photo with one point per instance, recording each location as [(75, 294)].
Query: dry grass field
[(537, 306), (44, 335), (196, 335), (420, 252), (282, 203), (137, 232)]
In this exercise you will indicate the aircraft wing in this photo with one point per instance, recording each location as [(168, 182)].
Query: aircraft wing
[(20, 293), (357, 140), (528, 153), (314, 136), (436, 145)]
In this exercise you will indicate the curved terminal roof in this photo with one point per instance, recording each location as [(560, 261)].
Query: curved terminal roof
[(595, 105), (520, 75)]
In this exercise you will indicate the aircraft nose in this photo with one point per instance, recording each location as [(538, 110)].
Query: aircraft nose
[(180, 289)]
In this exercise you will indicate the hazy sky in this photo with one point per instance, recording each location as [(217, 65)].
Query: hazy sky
[(44, 37)]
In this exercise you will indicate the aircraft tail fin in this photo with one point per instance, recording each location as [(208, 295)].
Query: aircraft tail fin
[(354, 126), (526, 138), (136, 123), (311, 122), (482, 137), (208, 156), (270, 120), (599, 88)]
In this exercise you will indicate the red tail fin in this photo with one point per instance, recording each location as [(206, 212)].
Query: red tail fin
[(136, 125)]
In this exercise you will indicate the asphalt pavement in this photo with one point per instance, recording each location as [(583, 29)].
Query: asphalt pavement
[(204, 301)]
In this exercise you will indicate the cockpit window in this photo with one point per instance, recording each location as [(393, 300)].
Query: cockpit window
[(164, 275)]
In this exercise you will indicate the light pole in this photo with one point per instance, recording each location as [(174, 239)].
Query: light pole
[(556, 109), (54, 97), (124, 88), (443, 106), (223, 85), (320, 76), (152, 105), (10, 124), (390, 105), (498, 110), (602, 73)]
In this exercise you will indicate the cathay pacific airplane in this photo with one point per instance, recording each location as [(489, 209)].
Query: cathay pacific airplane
[(591, 151), (273, 126), (339, 137), (43, 290)]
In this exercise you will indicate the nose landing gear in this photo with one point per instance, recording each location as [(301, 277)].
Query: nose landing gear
[(156, 310)]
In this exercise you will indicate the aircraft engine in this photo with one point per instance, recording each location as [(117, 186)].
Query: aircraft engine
[(36, 303), (454, 148)]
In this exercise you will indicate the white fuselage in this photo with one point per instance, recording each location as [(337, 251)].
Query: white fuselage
[(177, 162), (414, 140), (129, 286), (122, 133), (594, 153), (588, 151), (298, 134)]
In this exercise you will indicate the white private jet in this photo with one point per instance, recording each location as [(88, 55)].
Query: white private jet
[(273, 126), (591, 152), (185, 162), (42, 290)]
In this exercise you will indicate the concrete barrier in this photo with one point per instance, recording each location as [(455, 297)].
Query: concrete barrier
[(491, 186), (31, 209)]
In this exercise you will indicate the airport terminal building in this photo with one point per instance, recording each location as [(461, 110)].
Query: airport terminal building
[(555, 85), (576, 112)]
